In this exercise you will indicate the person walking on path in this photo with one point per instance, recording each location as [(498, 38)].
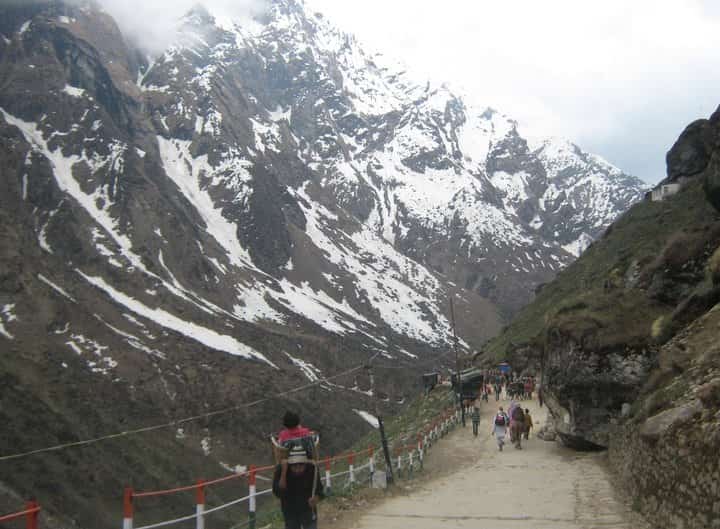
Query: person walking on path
[(476, 418), (500, 425), (299, 488), (517, 425), (528, 423)]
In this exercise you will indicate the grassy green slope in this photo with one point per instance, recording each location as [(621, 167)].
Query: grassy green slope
[(601, 297)]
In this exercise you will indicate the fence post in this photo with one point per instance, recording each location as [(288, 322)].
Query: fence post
[(351, 464), (200, 505), (399, 462), (252, 503), (32, 516), (128, 508), (328, 483), (421, 451), (386, 453), (371, 455), (410, 461)]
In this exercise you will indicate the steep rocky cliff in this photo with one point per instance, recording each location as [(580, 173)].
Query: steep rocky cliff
[(626, 339)]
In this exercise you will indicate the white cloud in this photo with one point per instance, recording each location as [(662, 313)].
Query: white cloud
[(621, 78), (152, 24)]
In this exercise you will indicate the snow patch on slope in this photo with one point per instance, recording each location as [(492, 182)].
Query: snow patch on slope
[(203, 335), (186, 171), (369, 418)]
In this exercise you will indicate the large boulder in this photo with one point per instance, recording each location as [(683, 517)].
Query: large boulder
[(711, 182), (691, 153), (712, 173), (585, 391)]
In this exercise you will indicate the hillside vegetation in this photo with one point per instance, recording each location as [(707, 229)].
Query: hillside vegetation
[(647, 263)]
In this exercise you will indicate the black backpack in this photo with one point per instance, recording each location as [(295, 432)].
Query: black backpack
[(307, 443), (500, 419)]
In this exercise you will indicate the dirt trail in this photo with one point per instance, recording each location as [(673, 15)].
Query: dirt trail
[(542, 486)]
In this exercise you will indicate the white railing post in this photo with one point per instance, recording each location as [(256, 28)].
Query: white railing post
[(372, 464), (252, 503), (128, 508), (351, 467), (200, 505), (328, 482)]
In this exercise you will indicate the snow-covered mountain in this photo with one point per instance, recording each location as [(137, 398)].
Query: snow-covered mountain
[(264, 201), (455, 188)]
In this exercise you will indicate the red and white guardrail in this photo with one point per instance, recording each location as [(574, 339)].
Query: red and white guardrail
[(405, 456), (31, 514)]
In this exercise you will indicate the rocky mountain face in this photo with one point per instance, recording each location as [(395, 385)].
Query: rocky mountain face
[(626, 340), (259, 207)]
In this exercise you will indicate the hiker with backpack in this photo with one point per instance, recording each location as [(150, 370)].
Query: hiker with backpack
[(297, 485), (517, 425), (528, 423), (475, 417), (485, 392), (500, 426)]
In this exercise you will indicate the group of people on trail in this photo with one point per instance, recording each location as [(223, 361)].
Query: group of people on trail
[(516, 421), (508, 387)]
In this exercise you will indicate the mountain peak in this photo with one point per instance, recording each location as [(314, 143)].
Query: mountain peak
[(198, 15)]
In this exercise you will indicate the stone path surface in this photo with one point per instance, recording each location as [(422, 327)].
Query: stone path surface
[(542, 486)]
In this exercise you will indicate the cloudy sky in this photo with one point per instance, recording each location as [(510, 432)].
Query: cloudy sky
[(152, 23), (621, 78)]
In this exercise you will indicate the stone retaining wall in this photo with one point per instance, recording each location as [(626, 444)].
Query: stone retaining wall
[(669, 466)]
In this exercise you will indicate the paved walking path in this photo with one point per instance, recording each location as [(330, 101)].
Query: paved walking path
[(542, 486)]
